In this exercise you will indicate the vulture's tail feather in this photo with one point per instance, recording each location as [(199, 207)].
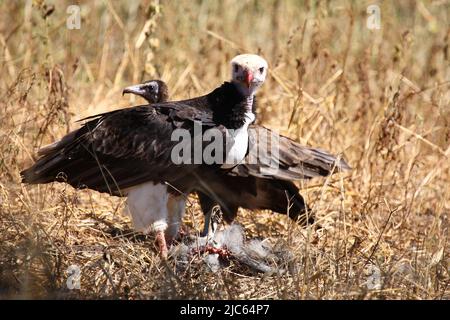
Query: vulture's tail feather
[(52, 163)]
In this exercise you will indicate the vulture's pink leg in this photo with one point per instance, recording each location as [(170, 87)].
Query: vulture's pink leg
[(162, 245)]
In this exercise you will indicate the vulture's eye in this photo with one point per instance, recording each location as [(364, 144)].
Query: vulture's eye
[(236, 68), (261, 70)]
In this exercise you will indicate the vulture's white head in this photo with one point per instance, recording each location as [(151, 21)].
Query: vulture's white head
[(248, 72)]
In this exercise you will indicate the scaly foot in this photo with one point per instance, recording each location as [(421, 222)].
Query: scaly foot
[(162, 244)]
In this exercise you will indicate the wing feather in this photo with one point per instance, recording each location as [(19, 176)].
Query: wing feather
[(119, 149), (274, 156)]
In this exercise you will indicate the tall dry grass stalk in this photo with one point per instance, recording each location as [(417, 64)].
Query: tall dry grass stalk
[(379, 97)]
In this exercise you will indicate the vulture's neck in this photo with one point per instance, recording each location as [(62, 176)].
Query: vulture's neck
[(230, 108)]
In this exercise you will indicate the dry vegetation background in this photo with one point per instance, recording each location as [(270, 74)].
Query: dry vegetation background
[(379, 97)]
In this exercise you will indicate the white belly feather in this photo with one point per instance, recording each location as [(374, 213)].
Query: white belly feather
[(153, 208), (147, 205), (239, 140)]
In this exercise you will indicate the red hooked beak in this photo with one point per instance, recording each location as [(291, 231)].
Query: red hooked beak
[(248, 77)]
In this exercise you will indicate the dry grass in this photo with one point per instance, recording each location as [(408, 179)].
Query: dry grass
[(381, 97)]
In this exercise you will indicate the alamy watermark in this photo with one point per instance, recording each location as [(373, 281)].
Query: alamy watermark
[(374, 279), (374, 19), (73, 20), (225, 146), (74, 277)]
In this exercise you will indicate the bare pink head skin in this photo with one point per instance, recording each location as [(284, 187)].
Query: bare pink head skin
[(248, 73)]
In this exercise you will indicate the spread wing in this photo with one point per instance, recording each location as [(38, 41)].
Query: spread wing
[(274, 156), (119, 149)]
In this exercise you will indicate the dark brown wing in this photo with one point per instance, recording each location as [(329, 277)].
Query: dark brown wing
[(119, 149), (274, 156)]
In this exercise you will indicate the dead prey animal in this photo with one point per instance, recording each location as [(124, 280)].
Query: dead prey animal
[(226, 245)]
